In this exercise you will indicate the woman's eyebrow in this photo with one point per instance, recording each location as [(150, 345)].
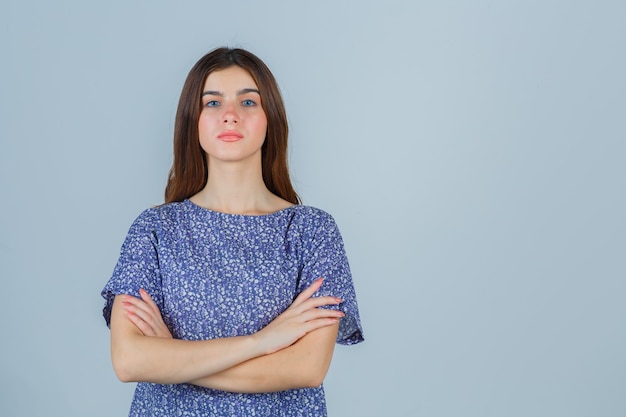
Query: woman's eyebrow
[(239, 93), (248, 90)]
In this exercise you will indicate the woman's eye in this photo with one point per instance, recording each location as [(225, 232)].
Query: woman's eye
[(248, 103), (212, 103)]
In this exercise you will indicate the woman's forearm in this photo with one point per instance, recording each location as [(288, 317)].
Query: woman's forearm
[(301, 365), (304, 330), (169, 361)]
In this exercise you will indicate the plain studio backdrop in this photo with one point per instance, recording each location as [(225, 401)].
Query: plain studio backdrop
[(472, 152)]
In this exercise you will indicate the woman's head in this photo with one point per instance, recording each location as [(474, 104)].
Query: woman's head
[(188, 174)]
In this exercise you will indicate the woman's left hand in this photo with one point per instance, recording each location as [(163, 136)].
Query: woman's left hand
[(145, 314)]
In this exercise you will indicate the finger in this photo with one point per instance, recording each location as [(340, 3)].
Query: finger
[(138, 303), (299, 318), (315, 302), (320, 313), (146, 297), (308, 292), (144, 327), (146, 315), (312, 325)]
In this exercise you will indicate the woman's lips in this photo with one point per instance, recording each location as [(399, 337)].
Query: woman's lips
[(230, 136)]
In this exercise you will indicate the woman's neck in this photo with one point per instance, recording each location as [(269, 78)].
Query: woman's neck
[(237, 189)]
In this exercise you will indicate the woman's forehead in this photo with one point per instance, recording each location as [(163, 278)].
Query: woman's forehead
[(230, 79)]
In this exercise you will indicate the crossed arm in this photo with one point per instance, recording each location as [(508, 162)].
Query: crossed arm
[(293, 351)]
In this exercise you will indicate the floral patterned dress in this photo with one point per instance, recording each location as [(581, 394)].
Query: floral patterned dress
[(217, 275)]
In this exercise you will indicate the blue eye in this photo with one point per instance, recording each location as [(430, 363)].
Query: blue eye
[(248, 103), (212, 103)]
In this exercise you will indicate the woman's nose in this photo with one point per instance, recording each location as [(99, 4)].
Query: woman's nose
[(230, 114)]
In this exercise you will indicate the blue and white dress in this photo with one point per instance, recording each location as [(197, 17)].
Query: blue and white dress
[(217, 275)]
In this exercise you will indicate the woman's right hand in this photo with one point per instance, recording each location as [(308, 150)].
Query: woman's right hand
[(303, 316), (145, 315)]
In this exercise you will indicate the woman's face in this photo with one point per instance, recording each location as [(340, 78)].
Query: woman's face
[(232, 122)]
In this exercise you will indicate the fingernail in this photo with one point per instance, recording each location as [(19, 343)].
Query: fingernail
[(339, 300)]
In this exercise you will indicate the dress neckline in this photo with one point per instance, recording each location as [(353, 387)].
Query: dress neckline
[(235, 215)]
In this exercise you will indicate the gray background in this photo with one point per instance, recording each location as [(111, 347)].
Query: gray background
[(472, 153)]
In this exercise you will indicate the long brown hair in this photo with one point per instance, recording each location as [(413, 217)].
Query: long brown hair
[(188, 174)]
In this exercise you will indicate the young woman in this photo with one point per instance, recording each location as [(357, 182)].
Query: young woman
[(227, 299)]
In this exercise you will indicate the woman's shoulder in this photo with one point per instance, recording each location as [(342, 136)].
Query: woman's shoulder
[(310, 212), (162, 210), (158, 216), (312, 218)]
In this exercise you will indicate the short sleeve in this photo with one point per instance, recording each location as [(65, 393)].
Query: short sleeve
[(325, 257), (138, 264)]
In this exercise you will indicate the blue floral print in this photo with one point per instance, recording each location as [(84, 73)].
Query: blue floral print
[(217, 275)]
